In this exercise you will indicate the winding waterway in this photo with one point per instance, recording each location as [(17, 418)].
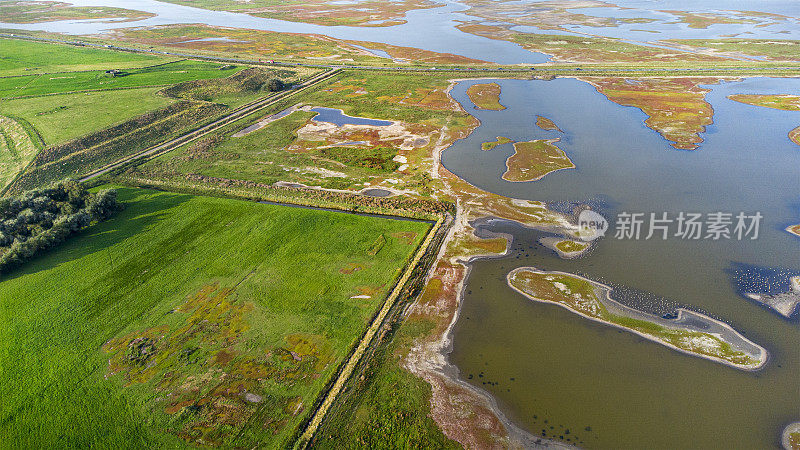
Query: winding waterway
[(435, 29), (610, 388)]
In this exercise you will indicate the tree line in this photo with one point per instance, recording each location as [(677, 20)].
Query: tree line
[(39, 219)]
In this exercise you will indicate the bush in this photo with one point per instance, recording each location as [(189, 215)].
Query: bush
[(40, 219)]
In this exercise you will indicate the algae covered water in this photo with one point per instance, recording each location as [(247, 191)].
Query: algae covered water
[(559, 375)]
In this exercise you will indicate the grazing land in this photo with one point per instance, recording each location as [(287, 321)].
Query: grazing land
[(486, 96), (533, 160), (46, 11), (84, 119), (17, 149), (23, 57), (190, 320), (160, 75), (68, 116)]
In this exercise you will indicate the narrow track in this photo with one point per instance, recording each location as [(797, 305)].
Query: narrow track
[(235, 115)]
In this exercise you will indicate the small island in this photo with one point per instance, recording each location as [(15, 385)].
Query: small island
[(532, 160), (691, 333), (565, 248), (37, 12), (784, 303), (486, 96), (486, 146), (791, 436), (547, 124), (794, 229)]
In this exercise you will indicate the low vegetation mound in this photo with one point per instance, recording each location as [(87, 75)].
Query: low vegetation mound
[(103, 147), (250, 80), (40, 219), (379, 158)]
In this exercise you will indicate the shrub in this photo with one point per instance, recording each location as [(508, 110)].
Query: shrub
[(40, 219)]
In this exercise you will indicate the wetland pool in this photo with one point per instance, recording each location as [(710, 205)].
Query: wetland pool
[(610, 388)]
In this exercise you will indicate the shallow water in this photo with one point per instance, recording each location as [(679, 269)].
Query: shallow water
[(428, 29), (339, 118), (435, 29), (576, 373)]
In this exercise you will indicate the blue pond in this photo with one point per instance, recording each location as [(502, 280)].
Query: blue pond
[(338, 118)]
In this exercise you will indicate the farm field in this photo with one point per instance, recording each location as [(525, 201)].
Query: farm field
[(22, 57), (64, 117), (80, 120), (190, 320), (161, 75)]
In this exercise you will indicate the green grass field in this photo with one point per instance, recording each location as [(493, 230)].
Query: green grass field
[(21, 57), (189, 319), (165, 74), (60, 118), (17, 149)]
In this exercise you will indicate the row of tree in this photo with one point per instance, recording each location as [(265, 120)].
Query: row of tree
[(40, 219)]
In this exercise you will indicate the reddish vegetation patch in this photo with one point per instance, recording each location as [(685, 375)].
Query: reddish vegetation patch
[(194, 368), (370, 290), (676, 106), (794, 135), (47, 11), (417, 55), (407, 236), (534, 159), (547, 124), (350, 268), (486, 96)]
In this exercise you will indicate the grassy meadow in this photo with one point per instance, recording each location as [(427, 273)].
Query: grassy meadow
[(160, 75), (86, 118), (189, 320), (61, 118), (22, 57)]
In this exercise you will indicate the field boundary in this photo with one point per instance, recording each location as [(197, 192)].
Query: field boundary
[(192, 135), (408, 285), (361, 348)]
